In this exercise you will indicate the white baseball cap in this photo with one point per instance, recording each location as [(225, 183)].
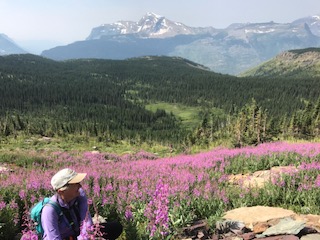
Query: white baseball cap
[(65, 176)]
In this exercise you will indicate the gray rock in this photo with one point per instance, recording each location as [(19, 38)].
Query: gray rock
[(285, 226)]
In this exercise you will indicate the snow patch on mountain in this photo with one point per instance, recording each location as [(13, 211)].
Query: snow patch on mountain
[(259, 31)]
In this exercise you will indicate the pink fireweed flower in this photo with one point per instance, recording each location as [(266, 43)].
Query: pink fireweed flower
[(96, 189), (310, 166), (89, 232), (16, 218), (281, 183), (29, 235), (223, 196), (89, 200), (107, 200), (108, 188), (13, 205), (2, 205), (128, 214), (157, 211), (317, 181), (33, 199), (22, 194), (196, 192)]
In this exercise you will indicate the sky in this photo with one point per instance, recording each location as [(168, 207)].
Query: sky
[(36, 25)]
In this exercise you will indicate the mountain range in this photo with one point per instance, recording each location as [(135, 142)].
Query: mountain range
[(7, 46), (233, 50)]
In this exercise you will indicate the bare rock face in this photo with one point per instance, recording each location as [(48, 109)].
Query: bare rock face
[(272, 223), (260, 178), (260, 227), (251, 216), (259, 218), (285, 226)]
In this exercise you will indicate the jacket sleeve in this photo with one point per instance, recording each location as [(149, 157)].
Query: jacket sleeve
[(49, 221)]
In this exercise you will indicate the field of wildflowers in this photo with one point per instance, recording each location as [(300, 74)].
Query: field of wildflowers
[(155, 197)]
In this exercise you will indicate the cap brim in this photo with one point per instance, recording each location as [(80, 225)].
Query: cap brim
[(78, 178)]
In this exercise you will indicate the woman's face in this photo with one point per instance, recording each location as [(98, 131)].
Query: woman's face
[(71, 192)]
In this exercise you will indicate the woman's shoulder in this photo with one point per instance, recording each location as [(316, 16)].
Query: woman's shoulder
[(51, 207)]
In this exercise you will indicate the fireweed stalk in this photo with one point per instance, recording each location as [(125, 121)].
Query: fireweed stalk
[(93, 231), (28, 233), (157, 211)]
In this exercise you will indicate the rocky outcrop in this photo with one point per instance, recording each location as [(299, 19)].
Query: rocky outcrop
[(259, 222), (259, 178)]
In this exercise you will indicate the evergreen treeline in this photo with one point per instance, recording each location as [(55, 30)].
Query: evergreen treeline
[(253, 125), (105, 99)]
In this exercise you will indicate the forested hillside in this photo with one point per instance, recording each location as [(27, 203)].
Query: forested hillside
[(300, 63), (106, 99)]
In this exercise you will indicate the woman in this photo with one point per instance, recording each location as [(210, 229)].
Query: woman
[(72, 200)]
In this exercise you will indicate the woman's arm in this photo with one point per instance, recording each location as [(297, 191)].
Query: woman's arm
[(50, 223)]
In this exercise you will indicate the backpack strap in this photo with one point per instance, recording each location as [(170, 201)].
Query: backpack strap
[(76, 210), (66, 212), (56, 207)]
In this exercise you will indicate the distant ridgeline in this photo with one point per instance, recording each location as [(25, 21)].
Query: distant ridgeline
[(106, 99), (305, 50)]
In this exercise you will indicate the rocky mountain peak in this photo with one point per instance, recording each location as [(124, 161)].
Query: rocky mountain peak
[(7, 46), (150, 18), (312, 21), (151, 25)]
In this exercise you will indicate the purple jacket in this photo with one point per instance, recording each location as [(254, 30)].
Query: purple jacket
[(58, 229)]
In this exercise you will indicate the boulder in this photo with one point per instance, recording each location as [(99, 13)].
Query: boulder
[(260, 178), (251, 216), (285, 226)]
